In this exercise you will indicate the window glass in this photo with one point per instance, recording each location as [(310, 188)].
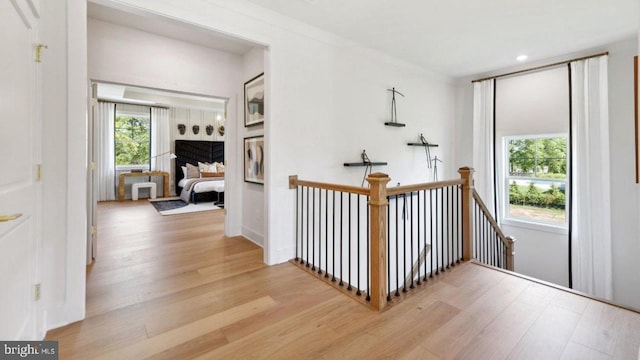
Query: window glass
[(536, 175), (132, 140)]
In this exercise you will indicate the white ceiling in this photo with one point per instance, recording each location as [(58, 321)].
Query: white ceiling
[(466, 37), (145, 96), (169, 28)]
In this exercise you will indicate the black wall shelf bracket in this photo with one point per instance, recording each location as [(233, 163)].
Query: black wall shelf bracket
[(366, 164), (421, 144), (396, 124)]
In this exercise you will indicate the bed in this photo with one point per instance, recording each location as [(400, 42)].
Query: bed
[(200, 189)]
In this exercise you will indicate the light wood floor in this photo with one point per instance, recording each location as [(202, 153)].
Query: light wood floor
[(175, 288)]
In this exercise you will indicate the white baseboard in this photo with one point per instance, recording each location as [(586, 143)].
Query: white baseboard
[(253, 236)]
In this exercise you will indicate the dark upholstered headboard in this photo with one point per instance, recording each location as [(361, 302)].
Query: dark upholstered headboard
[(194, 151)]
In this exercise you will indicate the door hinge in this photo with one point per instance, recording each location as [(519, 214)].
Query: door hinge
[(94, 230), (39, 48), (94, 101), (38, 172), (94, 165), (37, 292)]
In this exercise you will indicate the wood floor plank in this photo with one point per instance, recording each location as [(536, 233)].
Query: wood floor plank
[(548, 336), (456, 334), (185, 333), (597, 327), (575, 351), (500, 337)]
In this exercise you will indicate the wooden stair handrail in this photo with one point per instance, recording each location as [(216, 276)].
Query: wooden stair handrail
[(294, 182), (398, 190)]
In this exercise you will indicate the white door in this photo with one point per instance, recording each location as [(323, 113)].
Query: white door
[(20, 193)]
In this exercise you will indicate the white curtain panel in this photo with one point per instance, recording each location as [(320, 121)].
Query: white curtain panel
[(105, 150), (483, 142), (591, 215), (160, 142)]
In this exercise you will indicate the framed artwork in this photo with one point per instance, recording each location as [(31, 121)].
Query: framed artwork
[(254, 101), (254, 159)]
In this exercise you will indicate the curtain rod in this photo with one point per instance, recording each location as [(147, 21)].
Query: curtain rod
[(132, 103), (541, 67)]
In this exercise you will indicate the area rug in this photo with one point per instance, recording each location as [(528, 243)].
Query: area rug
[(177, 206)]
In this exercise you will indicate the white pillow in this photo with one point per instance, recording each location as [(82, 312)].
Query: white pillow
[(184, 172), (205, 167)]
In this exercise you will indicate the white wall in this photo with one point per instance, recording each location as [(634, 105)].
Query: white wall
[(253, 204), (129, 56), (625, 203), (625, 200), (328, 101)]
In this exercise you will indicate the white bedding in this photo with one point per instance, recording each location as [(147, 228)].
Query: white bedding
[(205, 186)]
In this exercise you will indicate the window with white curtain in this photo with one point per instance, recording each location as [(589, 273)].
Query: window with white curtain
[(532, 132)]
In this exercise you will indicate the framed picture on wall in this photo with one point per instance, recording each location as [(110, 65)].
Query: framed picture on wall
[(254, 101), (254, 159)]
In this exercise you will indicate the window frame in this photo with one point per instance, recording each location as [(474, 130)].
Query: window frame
[(130, 167), (506, 182)]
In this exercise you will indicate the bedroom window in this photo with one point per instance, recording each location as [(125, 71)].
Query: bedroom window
[(132, 141), (536, 179)]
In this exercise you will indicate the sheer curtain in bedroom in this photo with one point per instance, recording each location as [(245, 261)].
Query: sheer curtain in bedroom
[(105, 150)]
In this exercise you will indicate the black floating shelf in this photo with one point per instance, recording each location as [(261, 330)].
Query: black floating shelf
[(421, 144), (396, 124), (366, 164)]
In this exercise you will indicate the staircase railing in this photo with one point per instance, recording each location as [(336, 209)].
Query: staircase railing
[(490, 244), (378, 243)]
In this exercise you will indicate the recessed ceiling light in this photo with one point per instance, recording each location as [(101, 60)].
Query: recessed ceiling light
[(522, 57)]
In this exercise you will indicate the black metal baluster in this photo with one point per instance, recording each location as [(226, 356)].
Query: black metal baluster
[(458, 232), (313, 230), (388, 249), (486, 240), (349, 249), (482, 233), (482, 223), (411, 227), (341, 283), (424, 210), (368, 240), (460, 225), (308, 226), (397, 250), (448, 238), (297, 222), (487, 253), (441, 214), (326, 233), (418, 240), (358, 293), (333, 238), (319, 231), (434, 246), (493, 249), (404, 242), (452, 244), (476, 241)]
